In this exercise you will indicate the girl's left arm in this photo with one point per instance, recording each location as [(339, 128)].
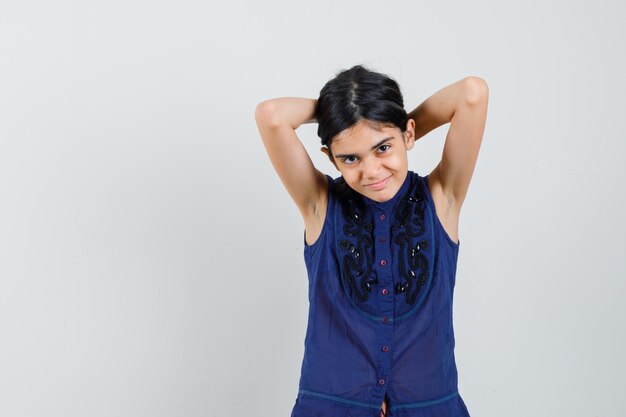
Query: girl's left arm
[(463, 104)]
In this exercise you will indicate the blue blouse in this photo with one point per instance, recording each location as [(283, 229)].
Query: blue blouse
[(381, 281)]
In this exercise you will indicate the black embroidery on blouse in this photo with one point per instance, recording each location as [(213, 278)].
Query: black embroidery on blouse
[(409, 234), (356, 245)]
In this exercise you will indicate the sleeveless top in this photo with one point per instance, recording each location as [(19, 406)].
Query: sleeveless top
[(381, 280)]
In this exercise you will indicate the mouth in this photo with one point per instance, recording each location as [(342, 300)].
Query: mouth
[(378, 185)]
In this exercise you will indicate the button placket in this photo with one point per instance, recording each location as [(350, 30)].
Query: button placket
[(383, 257)]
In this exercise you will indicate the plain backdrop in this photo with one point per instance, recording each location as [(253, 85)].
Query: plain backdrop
[(151, 261)]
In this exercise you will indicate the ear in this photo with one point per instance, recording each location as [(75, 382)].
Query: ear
[(409, 134), (326, 151)]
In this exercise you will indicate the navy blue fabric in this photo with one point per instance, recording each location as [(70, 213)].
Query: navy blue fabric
[(381, 281)]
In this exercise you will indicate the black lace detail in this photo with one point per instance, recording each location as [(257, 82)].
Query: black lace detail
[(409, 234), (357, 261)]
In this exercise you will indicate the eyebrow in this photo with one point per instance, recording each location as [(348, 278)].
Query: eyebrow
[(373, 148)]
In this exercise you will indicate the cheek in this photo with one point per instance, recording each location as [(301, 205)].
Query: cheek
[(351, 177), (401, 158)]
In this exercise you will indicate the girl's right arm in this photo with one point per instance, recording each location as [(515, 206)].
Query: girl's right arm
[(277, 120)]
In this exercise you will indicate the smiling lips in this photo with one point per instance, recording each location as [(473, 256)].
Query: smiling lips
[(378, 185)]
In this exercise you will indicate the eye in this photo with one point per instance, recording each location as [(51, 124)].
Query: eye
[(348, 160), (383, 148)]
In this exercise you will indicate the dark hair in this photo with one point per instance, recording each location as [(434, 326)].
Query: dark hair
[(358, 94)]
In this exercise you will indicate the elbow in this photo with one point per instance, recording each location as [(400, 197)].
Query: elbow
[(476, 91), (265, 114)]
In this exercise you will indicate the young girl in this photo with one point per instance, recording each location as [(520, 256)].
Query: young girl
[(380, 243)]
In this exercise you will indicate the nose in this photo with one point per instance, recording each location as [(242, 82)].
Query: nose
[(371, 169)]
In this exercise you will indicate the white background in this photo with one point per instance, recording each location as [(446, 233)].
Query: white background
[(151, 262)]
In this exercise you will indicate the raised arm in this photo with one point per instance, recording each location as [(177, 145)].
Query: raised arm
[(463, 104), (277, 120)]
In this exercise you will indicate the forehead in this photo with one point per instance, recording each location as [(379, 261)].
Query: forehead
[(363, 135)]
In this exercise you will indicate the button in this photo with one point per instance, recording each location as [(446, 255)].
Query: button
[(385, 348), (382, 217), (383, 262), (381, 381), (385, 319), (382, 239), (385, 291)]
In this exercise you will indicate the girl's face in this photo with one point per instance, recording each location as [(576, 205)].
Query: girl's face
[(373, 161)]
